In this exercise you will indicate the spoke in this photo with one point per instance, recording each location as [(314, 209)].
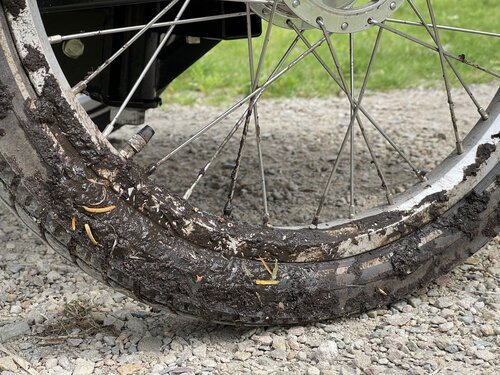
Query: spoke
[(418, 173), (238, 104), (56, 39), (451, 104), (460, 58), (380, 172), (221, 147), (441, 27), (107, 131), (315, 220), (228, 208), (204, 170), (79, 87), (356, 107), (352, 208), (480, 109), (256, 120)]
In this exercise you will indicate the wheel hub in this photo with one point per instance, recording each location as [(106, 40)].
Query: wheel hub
[(338, 16)]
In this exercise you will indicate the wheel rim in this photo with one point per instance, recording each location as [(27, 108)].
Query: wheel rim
[(416, 203)]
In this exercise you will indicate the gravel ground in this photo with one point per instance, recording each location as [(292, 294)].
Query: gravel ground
[(57, 320)]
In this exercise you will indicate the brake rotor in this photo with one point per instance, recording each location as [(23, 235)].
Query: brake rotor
[(338, 16)]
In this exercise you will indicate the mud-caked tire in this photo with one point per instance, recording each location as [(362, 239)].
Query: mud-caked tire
[(152, 245)]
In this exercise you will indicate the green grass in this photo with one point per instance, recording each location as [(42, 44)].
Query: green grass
[(222, 75)]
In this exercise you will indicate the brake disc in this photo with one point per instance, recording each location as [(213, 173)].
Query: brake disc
[(338, 16)]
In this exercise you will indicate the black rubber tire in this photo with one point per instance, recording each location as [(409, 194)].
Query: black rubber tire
[(50, 169)]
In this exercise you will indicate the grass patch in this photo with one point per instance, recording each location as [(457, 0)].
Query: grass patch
[(222, 75)]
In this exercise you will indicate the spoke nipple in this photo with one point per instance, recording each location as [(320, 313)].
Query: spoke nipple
[(352, 211), (460, 148), (228, 210), (315, 221), (55, 39), (137, 143), (80, 86), (390, 198), (266, 221), (422, 175), (484, 114), (392, 6), (152, 169), (295, 3)]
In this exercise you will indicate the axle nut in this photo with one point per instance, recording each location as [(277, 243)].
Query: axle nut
[(73, 48)]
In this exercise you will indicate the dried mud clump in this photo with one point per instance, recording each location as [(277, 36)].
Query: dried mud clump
[(14, 7), (34, 60), (483, 153), (5, 101), (407, 259)]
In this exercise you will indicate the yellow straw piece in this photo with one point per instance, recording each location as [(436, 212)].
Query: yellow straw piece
[(99, 210), (267, 282), (90, 235)]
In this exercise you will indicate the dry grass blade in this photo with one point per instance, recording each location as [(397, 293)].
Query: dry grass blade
[(267, 282), (99, 210), (274, 274), (77, 316), (90, 235), (382, 291), (265, 266)]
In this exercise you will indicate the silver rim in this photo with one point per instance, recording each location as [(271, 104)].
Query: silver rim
[(448, 177)]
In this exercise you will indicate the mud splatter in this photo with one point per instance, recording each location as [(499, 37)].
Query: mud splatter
[(483, 153), (468, 219), (5, 103), (34, 60), (405, 261), (439, 197), (14, 7)]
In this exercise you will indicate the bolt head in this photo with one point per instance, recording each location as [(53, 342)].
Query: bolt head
[(344, 26), (392, 5), (73, 48), (295, 3)]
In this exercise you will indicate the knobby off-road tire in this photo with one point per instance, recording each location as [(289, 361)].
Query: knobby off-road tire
[(160, 250)]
